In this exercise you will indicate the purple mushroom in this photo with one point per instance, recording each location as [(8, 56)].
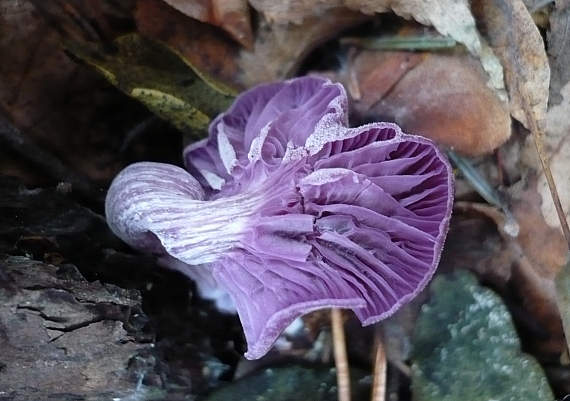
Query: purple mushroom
[(285, 210)]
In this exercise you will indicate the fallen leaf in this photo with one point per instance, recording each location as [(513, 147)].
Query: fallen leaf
[(232, 16), (151, 73), (515, 38), (528, 79), (204, 46), (443, 97), (199, 9)]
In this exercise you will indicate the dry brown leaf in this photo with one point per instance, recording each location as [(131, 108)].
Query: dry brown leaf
[(512, 32), (203, 45), (199, 9), (450, 17), (513, 35), (232, 16), (441, 97), (538, 253)]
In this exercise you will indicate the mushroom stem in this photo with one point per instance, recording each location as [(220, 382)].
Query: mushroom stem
[(340, 358), (379, 382)]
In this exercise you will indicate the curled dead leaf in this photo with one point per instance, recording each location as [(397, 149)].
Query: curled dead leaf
[(232, 16), (510, 30), (201, 44), (442, 97), (151, 73)]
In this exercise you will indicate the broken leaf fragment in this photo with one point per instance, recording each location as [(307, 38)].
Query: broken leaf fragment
[(232, 16), (443, 97), (153, 74), (181, 114)]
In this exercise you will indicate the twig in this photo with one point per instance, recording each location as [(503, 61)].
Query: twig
[(15, 140), (380, 366), (340, 358)]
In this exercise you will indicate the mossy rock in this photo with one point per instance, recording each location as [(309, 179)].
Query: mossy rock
[(466, 348)]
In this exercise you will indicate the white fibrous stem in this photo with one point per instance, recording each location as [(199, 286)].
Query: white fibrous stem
[(202, 230), (158, 207)]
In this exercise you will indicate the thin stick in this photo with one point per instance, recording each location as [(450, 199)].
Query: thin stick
[(380, 367), (340, 358)]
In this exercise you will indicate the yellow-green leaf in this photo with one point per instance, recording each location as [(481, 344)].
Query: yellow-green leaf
[(156, 76), (181, 114)]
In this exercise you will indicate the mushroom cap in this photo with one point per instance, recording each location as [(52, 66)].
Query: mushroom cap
[(298, 211)]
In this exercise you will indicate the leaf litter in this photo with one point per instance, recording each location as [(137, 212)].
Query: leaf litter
[(461, 97)]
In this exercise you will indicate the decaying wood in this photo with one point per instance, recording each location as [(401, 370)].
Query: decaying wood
[(61, 335)]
